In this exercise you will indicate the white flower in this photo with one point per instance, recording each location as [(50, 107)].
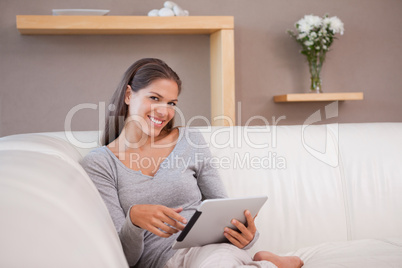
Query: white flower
[(316, 34), (326, 21), (314, 21), (303, 26), (308, 43), (301, 36), (336, 25)]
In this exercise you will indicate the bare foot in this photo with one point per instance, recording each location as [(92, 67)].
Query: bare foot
[(280, 261)]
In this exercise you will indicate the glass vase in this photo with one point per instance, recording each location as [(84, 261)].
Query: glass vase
[(315, 65), (316, 84)]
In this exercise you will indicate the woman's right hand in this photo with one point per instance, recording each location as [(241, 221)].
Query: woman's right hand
[(155, 218)]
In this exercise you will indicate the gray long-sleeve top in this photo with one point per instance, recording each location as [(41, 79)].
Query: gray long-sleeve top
[(184, 179)]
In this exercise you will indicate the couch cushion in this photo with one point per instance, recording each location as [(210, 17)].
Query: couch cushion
[(51, 215), (370, 159), (367, 253)]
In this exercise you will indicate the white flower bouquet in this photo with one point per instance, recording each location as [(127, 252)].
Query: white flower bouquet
[(315, 35)]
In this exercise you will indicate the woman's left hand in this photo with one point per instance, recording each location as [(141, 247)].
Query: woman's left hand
[(245, 234)]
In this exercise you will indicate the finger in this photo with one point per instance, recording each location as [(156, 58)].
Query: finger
[(161, 217), (255, 216), (177, 225), (164, 227), (174, 215), (177, 210), (237, 236), (158, 232), (250, 222), (233, 240), (240, 226), (161, 221), (173, 223), (244, 231)]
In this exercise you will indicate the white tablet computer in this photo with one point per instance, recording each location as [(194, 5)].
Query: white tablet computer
[(207, 224)]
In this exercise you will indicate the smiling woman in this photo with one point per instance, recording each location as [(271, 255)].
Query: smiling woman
[(150, 200)]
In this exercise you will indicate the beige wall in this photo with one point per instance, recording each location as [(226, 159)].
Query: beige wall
[(44, 77)]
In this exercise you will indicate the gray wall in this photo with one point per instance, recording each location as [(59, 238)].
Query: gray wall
[(44, 77)]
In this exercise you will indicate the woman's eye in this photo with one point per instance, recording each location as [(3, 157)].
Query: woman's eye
[(172, 104), (154, 98)]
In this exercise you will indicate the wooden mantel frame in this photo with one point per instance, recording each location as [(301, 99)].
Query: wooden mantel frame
[(220, 29)]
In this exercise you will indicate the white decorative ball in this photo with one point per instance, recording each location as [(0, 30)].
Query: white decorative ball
[(169, 4), (153, 13), (165, 12), (178, 11)]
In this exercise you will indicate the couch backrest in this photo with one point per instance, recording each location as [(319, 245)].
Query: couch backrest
[(324, 183)]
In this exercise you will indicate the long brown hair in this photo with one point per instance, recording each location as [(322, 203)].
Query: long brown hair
[(139, 75)]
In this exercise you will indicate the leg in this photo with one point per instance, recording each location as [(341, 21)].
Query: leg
[(215, 255), (280, 261)]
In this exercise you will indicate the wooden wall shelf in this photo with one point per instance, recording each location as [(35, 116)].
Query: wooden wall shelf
[(32, 24), (308, 97), (220, 29)]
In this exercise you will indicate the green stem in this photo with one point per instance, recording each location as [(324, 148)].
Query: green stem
[(315, 65)]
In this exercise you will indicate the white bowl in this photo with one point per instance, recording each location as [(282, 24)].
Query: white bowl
[(80, 12)]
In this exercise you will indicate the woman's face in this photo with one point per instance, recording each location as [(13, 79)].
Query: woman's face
[(152, 107)]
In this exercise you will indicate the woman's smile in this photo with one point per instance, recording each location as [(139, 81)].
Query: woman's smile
[(155, 121)]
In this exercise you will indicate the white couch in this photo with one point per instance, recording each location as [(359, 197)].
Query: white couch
[(335, 195)]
